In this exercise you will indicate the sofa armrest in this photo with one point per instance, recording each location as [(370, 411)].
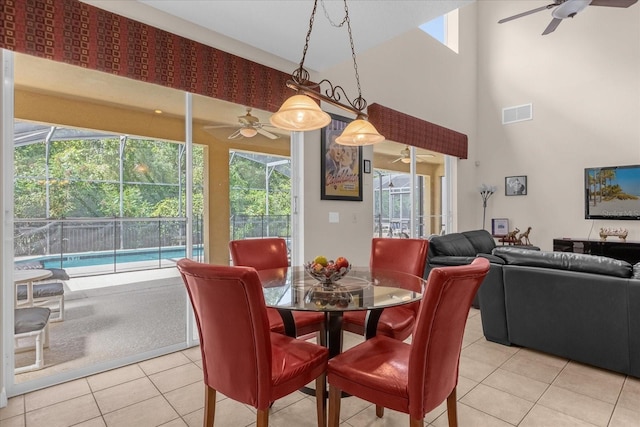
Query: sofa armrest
[(492, 258)]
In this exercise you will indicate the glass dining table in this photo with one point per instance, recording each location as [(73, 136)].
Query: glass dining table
[(291, 289)]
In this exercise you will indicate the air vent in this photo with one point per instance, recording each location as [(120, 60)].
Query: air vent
[(518, 113)]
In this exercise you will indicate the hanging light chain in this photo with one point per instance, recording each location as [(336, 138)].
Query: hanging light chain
[(359, 102), (301, 76)]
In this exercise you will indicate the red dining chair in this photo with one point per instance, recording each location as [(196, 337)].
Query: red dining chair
[(404, 255), (270, 253), (413, 378), (241, 358)]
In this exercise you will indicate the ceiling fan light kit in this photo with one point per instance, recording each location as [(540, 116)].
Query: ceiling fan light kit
[(297, 114), (563, 9), (248, 132)]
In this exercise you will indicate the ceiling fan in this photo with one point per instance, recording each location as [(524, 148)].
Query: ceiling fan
[(405, 156), (568, 9), (250, 126)]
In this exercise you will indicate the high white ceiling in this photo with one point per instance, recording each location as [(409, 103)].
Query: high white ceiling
[(280, 26)]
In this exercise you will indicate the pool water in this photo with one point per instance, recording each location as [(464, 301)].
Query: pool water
[(123, 256)]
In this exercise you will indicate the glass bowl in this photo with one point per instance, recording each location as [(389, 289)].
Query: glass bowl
[(326, 275)]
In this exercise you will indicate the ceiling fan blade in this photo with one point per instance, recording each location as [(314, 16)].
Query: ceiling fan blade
[(613, 3), (235, 135), (552, 26), (218, 127), (267, 133), (529, 12)]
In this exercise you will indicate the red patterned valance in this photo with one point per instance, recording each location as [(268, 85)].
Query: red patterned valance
[(406, 129), (80, 34)]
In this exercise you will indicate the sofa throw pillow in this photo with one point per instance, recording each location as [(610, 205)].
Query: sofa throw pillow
[(455, 244), (636, 271)]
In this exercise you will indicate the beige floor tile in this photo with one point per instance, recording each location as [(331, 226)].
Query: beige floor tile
[(116, 397), (291, 399), (541, 416), (187, 399), (517, 385), (15, 406), (367, 418), (194, 419), (193, 353), (547, 359), (475, 370), (623, 417), (163, 363), (468, 416), (577, 405), (174, 378), (300, 414), (537, 368), (115, 377), (486, 354), (17, 421), (94, 422), (228, 413), (63, 414), (591, 381), (497, 403), (178, 422), (630, 395), (152, 412), (56, 393), (350, 406)]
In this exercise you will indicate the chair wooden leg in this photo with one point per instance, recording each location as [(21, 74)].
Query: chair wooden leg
[(335, 394), (452, 409), (263, 418), (321, 399), (379, 411), (416, 423), (209, 406)]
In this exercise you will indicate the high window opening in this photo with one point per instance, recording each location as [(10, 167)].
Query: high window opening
[(444, 29)]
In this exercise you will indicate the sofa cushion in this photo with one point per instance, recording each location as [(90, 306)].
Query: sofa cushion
[(565, 261), (481, 240), (455, 244)]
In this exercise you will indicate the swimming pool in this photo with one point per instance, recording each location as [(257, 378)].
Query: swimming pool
[(88, 259)]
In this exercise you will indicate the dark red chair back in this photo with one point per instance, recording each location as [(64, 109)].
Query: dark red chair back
[(261, 254), (437, 338), (234, 329), (405, 255)]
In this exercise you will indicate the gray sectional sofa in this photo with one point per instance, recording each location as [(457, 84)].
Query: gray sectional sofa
[(581, 307)]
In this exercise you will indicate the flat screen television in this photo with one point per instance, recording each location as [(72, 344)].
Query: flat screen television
[(612, 192)]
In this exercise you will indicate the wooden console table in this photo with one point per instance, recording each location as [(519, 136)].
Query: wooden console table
[(612, 248)]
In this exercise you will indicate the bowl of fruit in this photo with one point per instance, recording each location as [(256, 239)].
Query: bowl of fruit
[(327, 271)]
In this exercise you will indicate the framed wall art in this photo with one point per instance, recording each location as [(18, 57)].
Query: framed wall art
[(499, 227), (340, 171), (515, 185)]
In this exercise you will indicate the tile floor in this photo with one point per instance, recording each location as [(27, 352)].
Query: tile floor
[(498, 386)]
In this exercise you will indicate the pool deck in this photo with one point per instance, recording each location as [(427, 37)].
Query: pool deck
[(81, 281)]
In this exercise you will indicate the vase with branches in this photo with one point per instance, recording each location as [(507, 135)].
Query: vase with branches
[(486, 191)]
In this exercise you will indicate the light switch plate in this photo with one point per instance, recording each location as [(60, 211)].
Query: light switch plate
[(334, 217)]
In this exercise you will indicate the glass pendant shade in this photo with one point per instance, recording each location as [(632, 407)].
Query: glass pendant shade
[(406, 160), (300, 113), (248, 132), (359, 132)]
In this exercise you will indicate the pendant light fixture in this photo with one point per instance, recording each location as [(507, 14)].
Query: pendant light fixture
[(302, 113)]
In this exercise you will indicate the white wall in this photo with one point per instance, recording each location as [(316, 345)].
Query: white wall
[(584, 83), (417, 75)]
